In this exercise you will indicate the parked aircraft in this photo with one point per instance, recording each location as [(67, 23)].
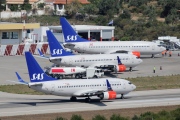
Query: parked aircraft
[(105, 88), (61, 57), (75, 42)]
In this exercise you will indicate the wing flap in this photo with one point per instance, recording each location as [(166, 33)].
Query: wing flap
[(90, 92)]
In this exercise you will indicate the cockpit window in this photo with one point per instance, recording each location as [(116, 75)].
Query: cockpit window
[(130, 83)]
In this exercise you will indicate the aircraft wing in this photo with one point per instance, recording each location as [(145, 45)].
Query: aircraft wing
[(89, 92), (68, 45), (102, 65), (117, 51)]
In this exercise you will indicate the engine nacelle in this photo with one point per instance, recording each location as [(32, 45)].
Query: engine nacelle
[(108, 95), (120, 68), (136, 53)]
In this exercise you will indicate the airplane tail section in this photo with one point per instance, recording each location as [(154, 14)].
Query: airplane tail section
[(119, 61), (69, 33), (55, 47), (36, 74)]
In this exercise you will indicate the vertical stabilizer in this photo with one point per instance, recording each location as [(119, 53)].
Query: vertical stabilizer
[(36, 74), (69, 33), (55, 47)]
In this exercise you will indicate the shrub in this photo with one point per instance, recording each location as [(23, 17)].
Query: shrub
[(99, 117), (117, 117), (60, 118), (76, 117)]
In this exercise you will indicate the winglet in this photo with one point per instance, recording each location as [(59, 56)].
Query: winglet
[(69, 33), (41, 54), (109, 88), (20, 79), (119, 61)]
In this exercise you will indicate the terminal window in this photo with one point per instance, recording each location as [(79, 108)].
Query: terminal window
[(9, 35)]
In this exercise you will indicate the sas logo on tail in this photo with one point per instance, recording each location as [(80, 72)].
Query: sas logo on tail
[(71, 38), (57, 51), (38, 76)]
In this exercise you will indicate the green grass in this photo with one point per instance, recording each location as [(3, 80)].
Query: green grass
[(155, 83), (142, 83)]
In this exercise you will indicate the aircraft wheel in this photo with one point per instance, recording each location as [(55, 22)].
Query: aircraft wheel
[(77, 76), (88, 100), (130, 69), (152, 56), (56, 76), (122, 96), (60, 77), (95, 76), (73, 98)]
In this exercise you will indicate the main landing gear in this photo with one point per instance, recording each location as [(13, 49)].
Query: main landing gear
[(73, 98), (122, 96), (88, 100), (152, 56), (130, 69)]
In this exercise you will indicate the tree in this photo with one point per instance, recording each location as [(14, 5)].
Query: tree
[(41, 5), (125, 15), (14, 7), (73, 8), (2, 5), (106, 5), (26, 6)]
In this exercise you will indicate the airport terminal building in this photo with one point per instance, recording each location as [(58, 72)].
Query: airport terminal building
[(15, 33), (90, 32)]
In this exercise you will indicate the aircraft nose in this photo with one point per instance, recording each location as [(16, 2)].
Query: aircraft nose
[(134, 87), (163, 48), (140, 60)]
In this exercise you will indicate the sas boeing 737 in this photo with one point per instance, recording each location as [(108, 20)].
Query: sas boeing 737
[(117, 62), (75, 42), (105, 88)]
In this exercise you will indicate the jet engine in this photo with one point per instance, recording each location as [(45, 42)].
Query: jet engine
[(119, 68), (108, 95), (136, 53)]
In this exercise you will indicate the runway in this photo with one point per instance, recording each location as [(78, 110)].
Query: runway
[(16, 104), (11, 64)]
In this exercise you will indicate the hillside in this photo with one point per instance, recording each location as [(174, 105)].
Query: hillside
[(133, 19)]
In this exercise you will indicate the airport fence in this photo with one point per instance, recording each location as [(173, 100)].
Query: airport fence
[(19, 49)]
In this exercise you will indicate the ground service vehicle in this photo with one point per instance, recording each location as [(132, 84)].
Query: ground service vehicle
[(73, 72)]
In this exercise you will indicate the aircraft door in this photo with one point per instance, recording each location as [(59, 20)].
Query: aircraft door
[(84, 47), (153, 47), (124, 85), (132, 59), (70, 61), (52, 88)]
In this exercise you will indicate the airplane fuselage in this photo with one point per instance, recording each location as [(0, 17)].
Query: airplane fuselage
[(128, 60), (144, 47), (77, 87)]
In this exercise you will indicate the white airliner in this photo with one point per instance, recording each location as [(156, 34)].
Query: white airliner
[(117, 62), (75, 42), (105, 88)]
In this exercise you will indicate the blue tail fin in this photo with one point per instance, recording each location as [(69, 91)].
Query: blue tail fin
[(69, 33), (119, 61), (109, 88), (36, 74), (55, 47)]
